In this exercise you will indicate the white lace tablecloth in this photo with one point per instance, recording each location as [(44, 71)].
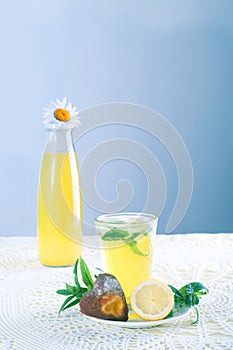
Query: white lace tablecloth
[(29, 304)]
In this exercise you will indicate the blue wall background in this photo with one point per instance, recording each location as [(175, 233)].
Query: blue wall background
[(172, 56)]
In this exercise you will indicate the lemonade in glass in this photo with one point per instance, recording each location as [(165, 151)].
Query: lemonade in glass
[(127, 243)]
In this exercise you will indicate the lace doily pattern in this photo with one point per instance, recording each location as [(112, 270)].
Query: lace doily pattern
[(29, 303)]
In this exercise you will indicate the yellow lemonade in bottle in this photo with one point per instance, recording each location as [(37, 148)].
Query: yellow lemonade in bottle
[(127, 243), (59, 210)]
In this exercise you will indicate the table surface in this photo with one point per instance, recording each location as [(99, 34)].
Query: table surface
[(29, 304)]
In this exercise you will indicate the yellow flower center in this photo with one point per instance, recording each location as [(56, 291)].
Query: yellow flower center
[(62, 114)]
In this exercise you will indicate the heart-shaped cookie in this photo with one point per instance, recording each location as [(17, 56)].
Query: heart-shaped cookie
[(106, 300)]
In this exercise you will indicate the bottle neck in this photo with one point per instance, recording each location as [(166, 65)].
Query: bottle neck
[(59, 141)]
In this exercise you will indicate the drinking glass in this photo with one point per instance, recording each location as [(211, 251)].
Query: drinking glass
[(127, 240)]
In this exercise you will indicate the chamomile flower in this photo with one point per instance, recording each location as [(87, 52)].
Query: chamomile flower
[(60, 112)]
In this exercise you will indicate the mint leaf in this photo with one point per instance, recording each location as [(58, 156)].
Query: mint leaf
[(195, 287), (75, 302), (71, 289), (76, 292), (86, 276), (134, 248), (75, 271), (178, 296), (192, 292), (65, 303), (178, 310), (63, 292), (115, 234), (188, 297)]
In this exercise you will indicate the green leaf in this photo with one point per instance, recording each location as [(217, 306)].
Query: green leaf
[(86, 275), (133, 237), (177, 294), (65, 303), (71, 289), (134, 248), (192, 292), (179, 309), (194, 287), (75, 302), (188, 297), (76, 281), (115, 235), (81, 291), (75, 271), (76, 291), (63, 292), (188, 300)]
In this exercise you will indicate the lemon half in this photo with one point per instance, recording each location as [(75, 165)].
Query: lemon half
[(152, 300)]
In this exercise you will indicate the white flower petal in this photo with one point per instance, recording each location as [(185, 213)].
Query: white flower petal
[(69, 107), (53, 104), (63, 102)]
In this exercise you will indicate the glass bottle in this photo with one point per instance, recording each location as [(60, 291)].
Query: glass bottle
[(59, 222)]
